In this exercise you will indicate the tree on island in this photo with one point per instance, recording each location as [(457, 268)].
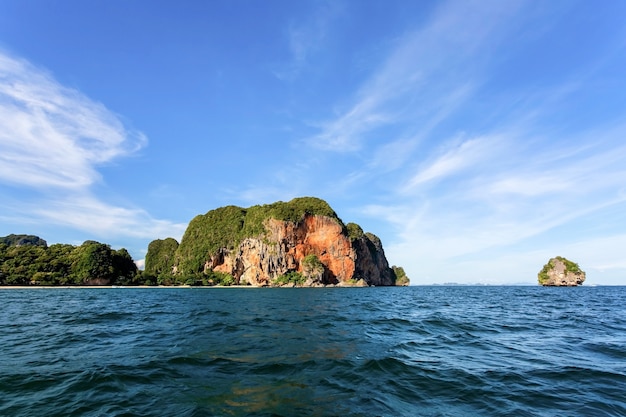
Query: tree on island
[(92, 263)]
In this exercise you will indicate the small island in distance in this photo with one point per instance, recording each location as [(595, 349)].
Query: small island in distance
[(300, 243), (561, 272)]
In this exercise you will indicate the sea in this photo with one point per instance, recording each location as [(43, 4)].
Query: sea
[(396, 351)]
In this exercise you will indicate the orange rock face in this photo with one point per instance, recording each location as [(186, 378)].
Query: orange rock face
[(257, 261), (324, 238)]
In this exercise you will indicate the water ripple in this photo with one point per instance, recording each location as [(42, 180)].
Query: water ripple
[(425, 351)]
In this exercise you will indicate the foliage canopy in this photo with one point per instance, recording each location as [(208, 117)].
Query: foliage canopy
[(226, 227), (354, 231), (401, 277), (160, 256), (61, 264)]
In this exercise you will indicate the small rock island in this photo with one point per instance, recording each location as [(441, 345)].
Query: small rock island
[(561, 272)]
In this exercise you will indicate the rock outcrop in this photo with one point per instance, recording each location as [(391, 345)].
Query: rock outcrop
[(401, 278), (301, 242), (561, 272)]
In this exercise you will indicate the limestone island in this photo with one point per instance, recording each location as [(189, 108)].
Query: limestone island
[(561, 272), (27, 260), (297, 243)]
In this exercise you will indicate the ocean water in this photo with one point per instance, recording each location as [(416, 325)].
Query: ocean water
[(416, 351)]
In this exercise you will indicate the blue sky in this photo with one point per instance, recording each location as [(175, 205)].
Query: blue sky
[(477, 139)]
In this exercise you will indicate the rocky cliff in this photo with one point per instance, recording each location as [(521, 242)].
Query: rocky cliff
[(301, 242), (561, 272)]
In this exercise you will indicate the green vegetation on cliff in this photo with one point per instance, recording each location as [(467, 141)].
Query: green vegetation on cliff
[(295, 209), (160, 257), (312, 268), (236, 245), (312, 263), (354, 231), (292, 277), (61, 264), (312, 271), (226, 227), (571, 267), (219, 228), (401, 277)]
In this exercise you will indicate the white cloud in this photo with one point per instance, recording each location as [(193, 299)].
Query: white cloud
[(141, 264), (484, 219), (493, 208), (393, 154), (467, 154), (425, 76), (53, 135), (53, 139), (494, 202), (345, 133), (530, 187), (84, 212), (305, 38)]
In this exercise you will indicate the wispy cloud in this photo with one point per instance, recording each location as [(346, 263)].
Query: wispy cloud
[(467, 153), (424, 77), (53, 139), (305, 38), (53, 135), (508, 197), (469, 169), (85, 212)]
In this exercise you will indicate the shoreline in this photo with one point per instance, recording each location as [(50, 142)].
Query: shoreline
[(121, 287), (112, 287)]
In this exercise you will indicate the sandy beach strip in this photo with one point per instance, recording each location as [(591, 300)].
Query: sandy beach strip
[(114, 287)]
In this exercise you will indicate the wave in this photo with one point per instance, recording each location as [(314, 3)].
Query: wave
[(384, 352)]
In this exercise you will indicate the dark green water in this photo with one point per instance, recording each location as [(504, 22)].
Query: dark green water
[(417, 351)]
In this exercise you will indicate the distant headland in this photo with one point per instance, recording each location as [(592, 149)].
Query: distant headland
[(27, 260), (300, 243)]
